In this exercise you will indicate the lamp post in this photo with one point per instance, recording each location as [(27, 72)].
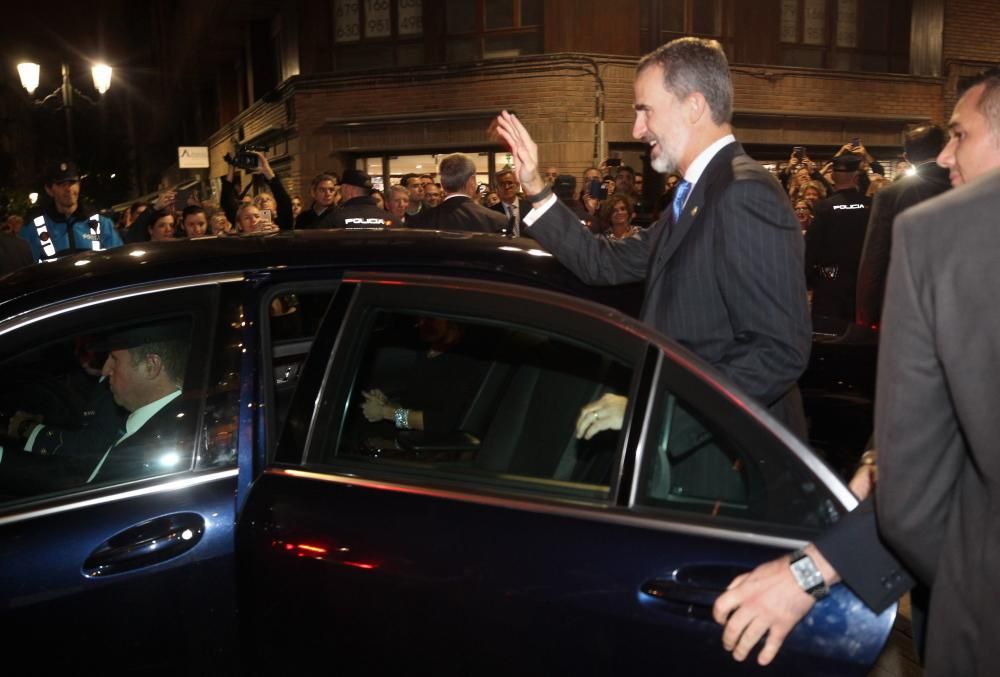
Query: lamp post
[(29, 74)]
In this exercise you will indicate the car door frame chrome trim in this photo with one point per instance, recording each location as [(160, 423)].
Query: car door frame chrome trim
[(76, 504), (640, 450), (606, 513), (61, 307)]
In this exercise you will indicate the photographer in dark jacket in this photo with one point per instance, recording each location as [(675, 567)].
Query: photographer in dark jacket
[(230, 202), (358, 210)]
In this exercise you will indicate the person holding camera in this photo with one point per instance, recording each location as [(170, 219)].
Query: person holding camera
[(256, 162)]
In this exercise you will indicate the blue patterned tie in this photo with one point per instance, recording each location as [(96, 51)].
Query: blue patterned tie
[(680, 195)]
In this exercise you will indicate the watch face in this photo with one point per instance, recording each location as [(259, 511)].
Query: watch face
[(808, 577)]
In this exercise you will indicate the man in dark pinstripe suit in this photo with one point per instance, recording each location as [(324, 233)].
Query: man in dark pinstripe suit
[(723, 269)]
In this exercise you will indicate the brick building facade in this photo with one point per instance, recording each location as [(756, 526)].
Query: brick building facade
[(569, 77)]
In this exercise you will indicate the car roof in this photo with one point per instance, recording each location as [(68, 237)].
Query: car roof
[(477, 255)]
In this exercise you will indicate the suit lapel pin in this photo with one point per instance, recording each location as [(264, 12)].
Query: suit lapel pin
[(694, 210)]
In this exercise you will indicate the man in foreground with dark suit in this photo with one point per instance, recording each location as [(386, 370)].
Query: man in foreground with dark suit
[(724, 269), (936, 426), (931, 495), (458, 211)]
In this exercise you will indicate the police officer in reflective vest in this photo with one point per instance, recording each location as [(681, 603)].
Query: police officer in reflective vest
[(358, 209), (64, 224), (834, 243)]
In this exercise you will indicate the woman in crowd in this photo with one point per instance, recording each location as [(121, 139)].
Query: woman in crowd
[(267, 206), (804, 213), (162, 226), (618, 212), (812, 192), (194, 221), (379, 198)]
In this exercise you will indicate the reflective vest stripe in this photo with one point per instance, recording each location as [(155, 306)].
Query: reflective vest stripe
[(44, 239), (95, 225)]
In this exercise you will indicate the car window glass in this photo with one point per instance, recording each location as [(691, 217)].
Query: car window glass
[(696, 468), (454, 399), (112, 394), (219, 428), (294, 318)]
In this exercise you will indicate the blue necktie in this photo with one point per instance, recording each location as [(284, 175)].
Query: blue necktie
[(680, 195)]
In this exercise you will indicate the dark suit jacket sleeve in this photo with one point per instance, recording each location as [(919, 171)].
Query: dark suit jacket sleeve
[(920, 444), (139, 230), (875, 259), (595, 260), (228, 200), (761, 282), (853, 547), (284, 217), (15, 253)]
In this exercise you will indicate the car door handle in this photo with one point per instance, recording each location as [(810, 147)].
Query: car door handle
[(693, 589), (147, 543)]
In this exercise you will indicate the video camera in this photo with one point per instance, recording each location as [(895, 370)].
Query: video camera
[(244, 157)]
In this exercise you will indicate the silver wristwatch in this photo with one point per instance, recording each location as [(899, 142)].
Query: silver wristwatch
[(807, 575)]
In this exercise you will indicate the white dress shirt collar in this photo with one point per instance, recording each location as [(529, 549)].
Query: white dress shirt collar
[(697, 168)]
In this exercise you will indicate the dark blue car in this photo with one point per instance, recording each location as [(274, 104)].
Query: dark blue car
[(370, 464)]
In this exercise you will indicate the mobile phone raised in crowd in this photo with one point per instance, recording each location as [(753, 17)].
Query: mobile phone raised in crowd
[(597, 190), (184, 191), (265, 216), (799, 151), (856, 142), (613, 162)]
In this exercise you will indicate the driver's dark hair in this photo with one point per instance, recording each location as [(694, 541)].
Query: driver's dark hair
[(173, 355)]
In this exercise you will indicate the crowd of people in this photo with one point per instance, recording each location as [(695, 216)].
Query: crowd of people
[(836, 205), (608, 200)]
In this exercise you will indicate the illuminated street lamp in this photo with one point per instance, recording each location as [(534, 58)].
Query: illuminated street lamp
[(30, 74)]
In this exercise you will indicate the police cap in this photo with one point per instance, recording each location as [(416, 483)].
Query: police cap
[(357, 178), (62, 170), (848, 162)]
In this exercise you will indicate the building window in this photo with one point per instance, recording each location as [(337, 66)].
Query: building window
[(851, 35), (377, 33), (664, 20), (492, 29)]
